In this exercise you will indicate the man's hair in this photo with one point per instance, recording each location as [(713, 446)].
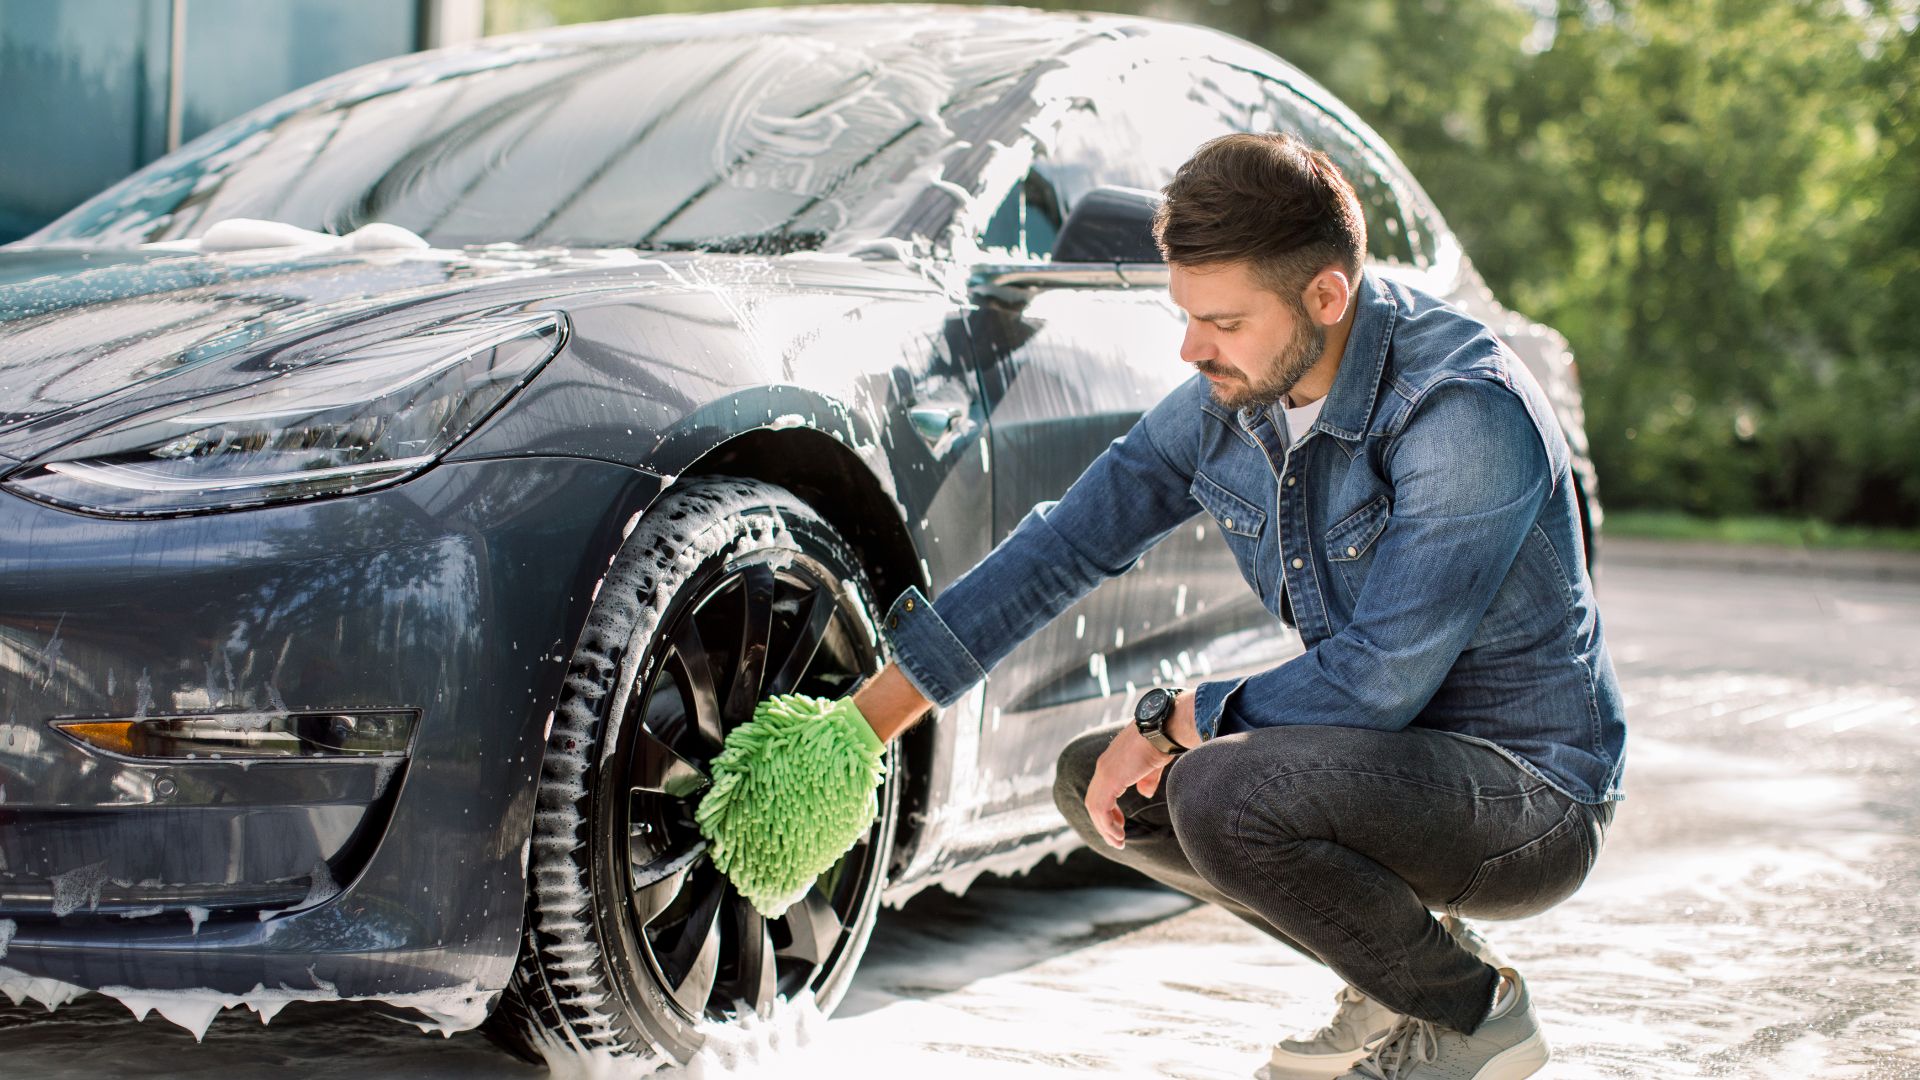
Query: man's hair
[(1269, 199)]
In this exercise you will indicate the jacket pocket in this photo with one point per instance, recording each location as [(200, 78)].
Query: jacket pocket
[(1242, 523), (1349, 546), (1534, 876)]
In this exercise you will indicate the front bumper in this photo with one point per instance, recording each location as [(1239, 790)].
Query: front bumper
[(457, 594)]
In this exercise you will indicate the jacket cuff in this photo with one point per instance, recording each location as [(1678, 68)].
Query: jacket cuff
[(1210, 707), (927, 650)]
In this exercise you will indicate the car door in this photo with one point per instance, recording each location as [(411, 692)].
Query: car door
[(1070, 356)]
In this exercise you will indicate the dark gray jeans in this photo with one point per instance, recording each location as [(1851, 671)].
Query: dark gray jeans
[(1339, 841)]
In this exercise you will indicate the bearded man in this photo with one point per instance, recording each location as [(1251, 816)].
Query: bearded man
[(1452, 738)]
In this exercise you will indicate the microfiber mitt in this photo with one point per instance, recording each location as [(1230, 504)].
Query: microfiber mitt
[(792, 790)]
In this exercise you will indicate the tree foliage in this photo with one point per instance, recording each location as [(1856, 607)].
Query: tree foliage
[(1717, 201)]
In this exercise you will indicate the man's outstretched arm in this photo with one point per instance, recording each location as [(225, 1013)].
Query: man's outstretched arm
[(1127, 500)]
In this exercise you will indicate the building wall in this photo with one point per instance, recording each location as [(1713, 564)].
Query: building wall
[(91, 90)]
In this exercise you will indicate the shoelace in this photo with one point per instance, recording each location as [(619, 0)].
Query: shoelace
[(1407, 1043)]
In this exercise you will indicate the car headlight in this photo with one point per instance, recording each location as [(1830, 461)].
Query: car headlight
[(346, 734), (370, 416)]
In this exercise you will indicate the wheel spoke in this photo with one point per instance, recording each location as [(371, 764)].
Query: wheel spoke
[(656, 896), (698, 682), (757, 973), (687, 946), (648, 867), (806, 643), (815, 927), (657, 769), (755, 614), (693, 991)]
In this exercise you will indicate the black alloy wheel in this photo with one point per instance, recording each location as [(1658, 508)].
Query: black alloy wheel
[(729, 590)]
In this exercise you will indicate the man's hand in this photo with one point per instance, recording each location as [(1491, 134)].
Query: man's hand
[(1131, 761)]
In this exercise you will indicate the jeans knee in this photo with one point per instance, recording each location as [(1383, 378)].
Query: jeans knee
[(1199, 794)]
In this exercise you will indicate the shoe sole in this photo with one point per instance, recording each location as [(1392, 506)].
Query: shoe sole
[(1518, 1061), (1312, 1066)]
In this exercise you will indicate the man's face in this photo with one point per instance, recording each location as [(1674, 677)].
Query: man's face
[(1249, 341)]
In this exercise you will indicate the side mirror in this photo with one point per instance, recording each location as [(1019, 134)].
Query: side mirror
[(1110, 225)]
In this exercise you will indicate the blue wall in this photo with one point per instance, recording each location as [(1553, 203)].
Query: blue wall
[(83, 83)]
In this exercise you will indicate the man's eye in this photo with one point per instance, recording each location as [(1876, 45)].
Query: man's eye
[(1228, 329)]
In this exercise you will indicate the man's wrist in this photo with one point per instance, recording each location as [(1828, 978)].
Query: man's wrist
[(890, 702), (1164, 717), (1181, 727)]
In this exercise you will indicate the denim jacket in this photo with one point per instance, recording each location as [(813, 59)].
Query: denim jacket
[(1428, 540)]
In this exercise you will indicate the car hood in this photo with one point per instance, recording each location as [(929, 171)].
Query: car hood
[(90, 336)]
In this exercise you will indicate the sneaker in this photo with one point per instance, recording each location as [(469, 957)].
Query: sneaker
[(1507, 1046), (1357, 1021), (1336, 1046)]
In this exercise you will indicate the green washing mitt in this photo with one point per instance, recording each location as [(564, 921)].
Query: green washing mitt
[(793, 789)]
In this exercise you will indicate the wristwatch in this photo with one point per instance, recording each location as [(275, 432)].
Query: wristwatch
[(1154, 714)]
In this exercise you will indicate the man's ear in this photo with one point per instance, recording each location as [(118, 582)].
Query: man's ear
[(1327, 296)]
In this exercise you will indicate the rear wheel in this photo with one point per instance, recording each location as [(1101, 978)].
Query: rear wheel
[(727, 591)]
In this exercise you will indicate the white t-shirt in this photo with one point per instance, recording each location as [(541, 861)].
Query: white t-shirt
[(1300, 419)]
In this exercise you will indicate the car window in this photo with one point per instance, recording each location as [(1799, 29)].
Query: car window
[(1145, 123), (1025, 225), (1133, 131), (1155, 116)]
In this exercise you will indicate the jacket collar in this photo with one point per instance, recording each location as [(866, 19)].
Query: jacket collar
[(1349, 405)]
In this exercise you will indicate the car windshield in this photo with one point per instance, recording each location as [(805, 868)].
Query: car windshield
[(743, 142)]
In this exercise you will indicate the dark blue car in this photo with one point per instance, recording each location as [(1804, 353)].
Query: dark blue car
[(405, 486)]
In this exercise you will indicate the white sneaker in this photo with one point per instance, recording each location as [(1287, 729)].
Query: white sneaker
[(1357, 1021), (1507, 1046), (1336, 1046)]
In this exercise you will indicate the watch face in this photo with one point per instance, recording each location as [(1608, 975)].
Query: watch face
[(1151, 705)]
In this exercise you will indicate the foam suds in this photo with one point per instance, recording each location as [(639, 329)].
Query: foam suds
[(444, 1011), (21, 988), (79, 888), (783, 1040)]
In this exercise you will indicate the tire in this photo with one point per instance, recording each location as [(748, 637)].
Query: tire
[(633, 940)]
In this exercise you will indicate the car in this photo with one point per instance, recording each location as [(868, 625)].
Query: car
[(407, 484)]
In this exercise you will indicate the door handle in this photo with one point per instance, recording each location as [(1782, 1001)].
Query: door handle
[(934, 421)]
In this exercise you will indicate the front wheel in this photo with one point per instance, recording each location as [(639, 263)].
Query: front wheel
[(729, 590)]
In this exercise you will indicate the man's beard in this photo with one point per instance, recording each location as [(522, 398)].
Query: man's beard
[(1302, 351)]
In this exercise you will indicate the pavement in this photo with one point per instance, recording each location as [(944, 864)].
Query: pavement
[(1755, 912)]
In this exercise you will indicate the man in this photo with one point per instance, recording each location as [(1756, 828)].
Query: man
[(1452, 738)]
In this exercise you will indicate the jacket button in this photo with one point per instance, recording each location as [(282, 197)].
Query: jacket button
[(1229, 523), (1291, 479), (1297, 564), (1351, 552), (893, 622)]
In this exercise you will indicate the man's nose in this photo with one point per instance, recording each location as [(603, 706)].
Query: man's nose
[(1194, 346)]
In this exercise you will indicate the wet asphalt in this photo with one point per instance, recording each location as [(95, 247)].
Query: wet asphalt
[(1755, 913)]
